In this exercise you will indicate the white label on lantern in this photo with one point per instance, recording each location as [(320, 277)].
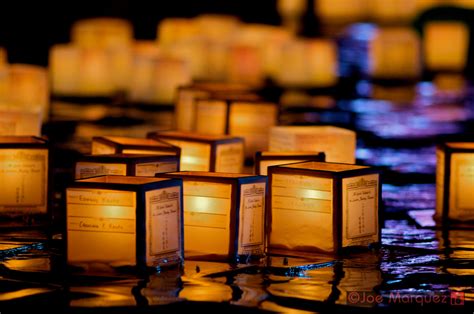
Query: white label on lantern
[(230, 157), (101, 226), (302, 206), (251, 227), (149, 169), (24, 177), (93, 169), (461, 201), (163, 222), (99, 148), (360, 210), (440, 160)]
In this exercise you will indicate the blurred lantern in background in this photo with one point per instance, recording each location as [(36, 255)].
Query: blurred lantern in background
[(106, 145), (292, 12)]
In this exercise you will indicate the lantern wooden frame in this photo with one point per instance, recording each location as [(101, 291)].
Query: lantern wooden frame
[(119, 145)]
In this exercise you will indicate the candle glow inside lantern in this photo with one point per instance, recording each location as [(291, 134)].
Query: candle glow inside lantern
[(125, 165), (263, 160), (394, 52), (124, 221), (188, 94), (223, 214), (242, 115), (106, 145), (20, 121), (445, 45), (201, 152), (325, 207), (338, 144), (24, 162), (455, 182)]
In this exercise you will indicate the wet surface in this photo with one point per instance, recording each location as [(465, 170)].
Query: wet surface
[(416, 265)]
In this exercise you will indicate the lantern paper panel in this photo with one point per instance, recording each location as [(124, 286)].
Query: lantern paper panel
[(125, 165), (263, 160), (445, 45), (19, 122), (202, 152), (455, 182), (103, 32), (124, 221), (223, 214), (106, 145), (337, 143), (324, 206), (24, 165)]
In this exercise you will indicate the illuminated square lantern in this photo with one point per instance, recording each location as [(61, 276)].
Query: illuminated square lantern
[(242, 115), (119, 221), (455, 182), (340, 13), (245, 64), (223, 214), (445, 45), (187, 95), (263, 160), (200, 152), (105, 145), (322, 207), (102, 32), (338, 144), (125, 165), (20, 121), (24, 166)]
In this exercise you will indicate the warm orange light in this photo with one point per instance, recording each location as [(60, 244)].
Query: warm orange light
[(20, 121), (102, 32), (341, 12)]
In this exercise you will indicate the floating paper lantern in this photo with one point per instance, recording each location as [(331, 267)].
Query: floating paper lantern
[(125, 165), (337, 143), (24, 163), (263, 160), (455, 181), (241, 115), (206, 152), (308, 63), (325, 207), (394, 53), (187, 95), (445, 45), (223, 214), (20, 121), (124, 221), (172, 30), (129, 145)]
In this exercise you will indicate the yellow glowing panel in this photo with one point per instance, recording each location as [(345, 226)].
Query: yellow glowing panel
[(185, 108), (245, 65), (169, 73), (101, 226), (360, 199), (304, 211), (341, 11), (94, 169), (211, 117), (95, 76), (461, 185), (218, 28), (149, 169), (99, 148), (230, 157), (163, 223), (291, 7), (172, 30), (194, 156), (64, 64), (102, 32), (440, 160), (24, 173), (338, 144), (19, 122), (392, 10), (446, 45), (395, 53), (206, 218)]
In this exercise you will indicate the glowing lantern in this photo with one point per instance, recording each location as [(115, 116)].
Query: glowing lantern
[(263, 160), (102, 32), (337, 143), (25, 86), (206, 152), (455, 181), (341, 12), (129, 145), (445, 45), (125, 165), (172, 30), (241, 115), (291, 12), (24, 173), (124, 221), (394, 53), (392, 11), (217, 28), (187, 95), (19, 122), (223, 214), (325, 207), (308, 63), (245, 65)]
